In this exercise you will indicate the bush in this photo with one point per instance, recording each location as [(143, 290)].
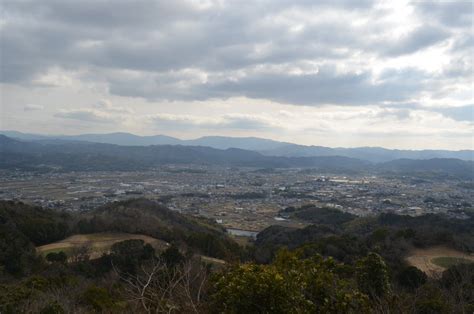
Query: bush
[(289, 285), (98, 298), (411, 277), (59, 257)]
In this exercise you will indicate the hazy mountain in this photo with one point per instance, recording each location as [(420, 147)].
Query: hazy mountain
[(374, 154), (127, 139), (264, 146), (24, 136), (118, 138), (452, 166), (85, 156), (248, 143), (96, 156)]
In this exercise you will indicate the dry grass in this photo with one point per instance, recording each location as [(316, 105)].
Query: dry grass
[(423, 258), (99, 243)]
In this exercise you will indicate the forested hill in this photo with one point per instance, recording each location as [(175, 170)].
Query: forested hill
[(339, 264), (22, 227)]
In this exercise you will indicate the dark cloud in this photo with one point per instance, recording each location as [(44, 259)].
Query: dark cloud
[(418, 39), (324, 87), (462, 113), (182, 50)]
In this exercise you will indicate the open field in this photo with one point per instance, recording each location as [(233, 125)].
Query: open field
[(98, 243), (436, 259), (447, 261)]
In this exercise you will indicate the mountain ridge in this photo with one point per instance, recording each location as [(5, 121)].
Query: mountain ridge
[(85, 156), (266, 147)]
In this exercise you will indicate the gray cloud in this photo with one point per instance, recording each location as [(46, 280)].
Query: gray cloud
[(87, 115), (180, 50), (228, 121), (461, 113), (33, 107), (418, 39), (451, 13), (324, 87)]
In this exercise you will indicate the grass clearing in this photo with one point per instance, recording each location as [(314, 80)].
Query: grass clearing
[(446, 261), (434, 260), (97, 243)]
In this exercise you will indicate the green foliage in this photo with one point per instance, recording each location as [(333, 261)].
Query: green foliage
[(380, 235), (459, 280), (320, 215), (11, 296), (172, 256), (300, 281), (148, 217), (17, 254), (215, 246), (372, 276), (39, 225), (128, 255), (411, 277), (431, 300), (52, 308), (98, 298), (448, 261), (288, 285), (57, 257)]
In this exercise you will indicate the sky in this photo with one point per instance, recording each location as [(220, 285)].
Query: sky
[(337, 73)]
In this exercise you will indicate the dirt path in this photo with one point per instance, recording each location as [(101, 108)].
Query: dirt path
[(422, 258)]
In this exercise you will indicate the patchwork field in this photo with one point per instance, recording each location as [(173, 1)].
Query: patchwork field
[(435, 260), (97, 243)]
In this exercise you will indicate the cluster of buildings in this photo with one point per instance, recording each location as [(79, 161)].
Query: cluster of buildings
[(241, 198)]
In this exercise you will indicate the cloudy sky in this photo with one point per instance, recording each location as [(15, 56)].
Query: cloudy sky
[(334, 73)]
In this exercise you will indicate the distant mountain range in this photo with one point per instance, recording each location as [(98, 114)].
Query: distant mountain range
[(60, 154), (264, 146)]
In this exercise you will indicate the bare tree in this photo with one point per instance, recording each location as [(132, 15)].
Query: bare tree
[(81, 253), (161, 289)]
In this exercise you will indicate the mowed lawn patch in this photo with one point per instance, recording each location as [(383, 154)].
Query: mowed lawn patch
[(97, 243)]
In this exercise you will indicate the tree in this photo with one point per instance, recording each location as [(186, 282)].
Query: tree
[(128, 255), (98, 298), (161, 289), (411, 277), (57, 257), (372, 276), (288, 285), (172, 256)]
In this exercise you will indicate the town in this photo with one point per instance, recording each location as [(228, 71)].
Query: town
[(242, 199)]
